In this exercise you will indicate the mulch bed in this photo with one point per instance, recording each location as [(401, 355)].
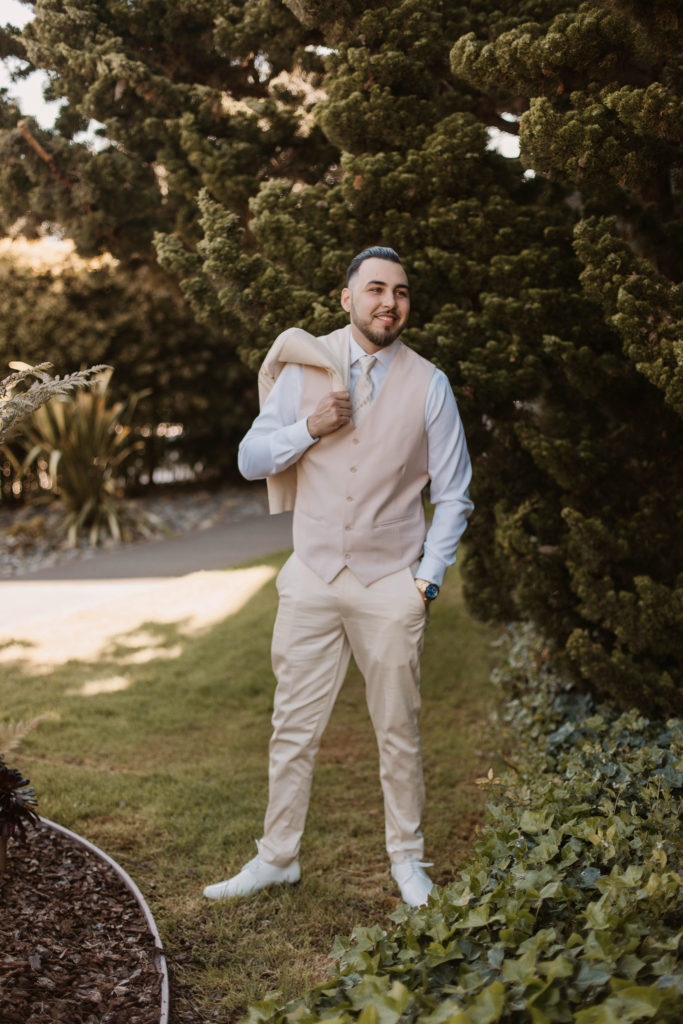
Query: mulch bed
[(74, 944)]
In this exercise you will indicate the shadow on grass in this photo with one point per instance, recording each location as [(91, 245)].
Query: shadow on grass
[(7, 644)]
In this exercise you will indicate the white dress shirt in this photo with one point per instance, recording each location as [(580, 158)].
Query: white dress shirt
[(278, 438)]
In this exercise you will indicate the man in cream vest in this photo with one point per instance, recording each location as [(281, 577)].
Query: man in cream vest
[(352, 427)]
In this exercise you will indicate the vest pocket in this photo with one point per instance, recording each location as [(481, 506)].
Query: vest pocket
[(396, 519)]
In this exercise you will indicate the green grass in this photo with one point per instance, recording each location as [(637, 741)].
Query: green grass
[(169, 777)]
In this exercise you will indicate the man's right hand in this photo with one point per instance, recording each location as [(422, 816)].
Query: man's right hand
[(332, 412)]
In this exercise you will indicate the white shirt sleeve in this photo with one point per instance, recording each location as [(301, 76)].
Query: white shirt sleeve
[(450, 473), (276, 438)]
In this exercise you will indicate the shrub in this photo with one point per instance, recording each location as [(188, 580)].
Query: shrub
[(570, 908), (17, 802), (81, 447)]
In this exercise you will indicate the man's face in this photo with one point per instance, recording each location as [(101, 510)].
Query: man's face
[(378, 302)]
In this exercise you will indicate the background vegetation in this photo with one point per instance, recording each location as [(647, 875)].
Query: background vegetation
[(246, 150), (550, 295)]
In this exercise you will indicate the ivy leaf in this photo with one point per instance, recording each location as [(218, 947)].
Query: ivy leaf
[(536, 821), (632, 1004), (520, 969), (597, 917), (550, 890), (591, 977), (447, 1012), (560, 967), (377, 1005), (561, 734), (489, 1005), (589, 876), (538, 1017)]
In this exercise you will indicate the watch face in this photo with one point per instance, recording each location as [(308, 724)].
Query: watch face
[(431, 591)]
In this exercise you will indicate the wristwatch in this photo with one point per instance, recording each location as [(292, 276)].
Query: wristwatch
[(427, 589)]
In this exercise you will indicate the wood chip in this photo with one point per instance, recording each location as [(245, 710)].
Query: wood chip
[(73, 938)]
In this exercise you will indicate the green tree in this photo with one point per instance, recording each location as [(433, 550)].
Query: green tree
[(413, 168), (527, 296), (594, 550), (552, 301)]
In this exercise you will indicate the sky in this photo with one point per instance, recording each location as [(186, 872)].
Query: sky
[(29, 92)]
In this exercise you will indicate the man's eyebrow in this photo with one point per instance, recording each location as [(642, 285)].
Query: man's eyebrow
[(384, 285)]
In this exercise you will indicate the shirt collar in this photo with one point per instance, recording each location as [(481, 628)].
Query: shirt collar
[(385, 356)]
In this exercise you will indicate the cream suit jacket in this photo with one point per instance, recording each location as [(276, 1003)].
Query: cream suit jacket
[(329, 352)]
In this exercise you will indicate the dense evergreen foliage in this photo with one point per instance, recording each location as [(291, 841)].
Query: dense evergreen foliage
[(552, 301), (593, 547)]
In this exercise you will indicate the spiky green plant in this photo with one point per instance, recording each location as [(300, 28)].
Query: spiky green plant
[(82, 445), (17, 803)]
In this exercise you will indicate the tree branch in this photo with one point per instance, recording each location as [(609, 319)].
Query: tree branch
[(42, 153)]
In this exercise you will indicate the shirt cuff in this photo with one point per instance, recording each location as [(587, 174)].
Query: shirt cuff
[(431, 569), (287, 445), (302, 427)]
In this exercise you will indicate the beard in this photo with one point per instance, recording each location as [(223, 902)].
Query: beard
[(382, 337)]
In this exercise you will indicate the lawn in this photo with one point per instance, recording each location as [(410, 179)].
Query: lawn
[(156, 751)]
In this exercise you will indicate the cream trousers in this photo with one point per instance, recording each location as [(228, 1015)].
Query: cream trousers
[(318, 626)]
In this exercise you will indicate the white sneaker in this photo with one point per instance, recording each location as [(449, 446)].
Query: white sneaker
[(255, 875), (414, 883)]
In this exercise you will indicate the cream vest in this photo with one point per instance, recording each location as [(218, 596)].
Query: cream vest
[(359, 490)]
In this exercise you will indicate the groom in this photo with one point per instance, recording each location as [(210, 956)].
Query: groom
[(352, 428)]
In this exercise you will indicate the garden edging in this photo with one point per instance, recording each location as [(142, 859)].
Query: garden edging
[(159, 957)]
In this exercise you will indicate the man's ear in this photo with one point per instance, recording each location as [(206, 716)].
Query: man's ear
[(346, 299)]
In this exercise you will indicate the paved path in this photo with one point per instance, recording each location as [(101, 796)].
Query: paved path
[(135, 568)]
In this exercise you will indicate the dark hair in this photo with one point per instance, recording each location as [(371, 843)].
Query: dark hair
[(379, 252)]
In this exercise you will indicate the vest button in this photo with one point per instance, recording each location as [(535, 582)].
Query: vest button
[(349, 498), (356, 441), (353, 468), (347, 527)]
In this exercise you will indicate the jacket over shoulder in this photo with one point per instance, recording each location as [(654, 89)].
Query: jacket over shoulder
[(329, 352)]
